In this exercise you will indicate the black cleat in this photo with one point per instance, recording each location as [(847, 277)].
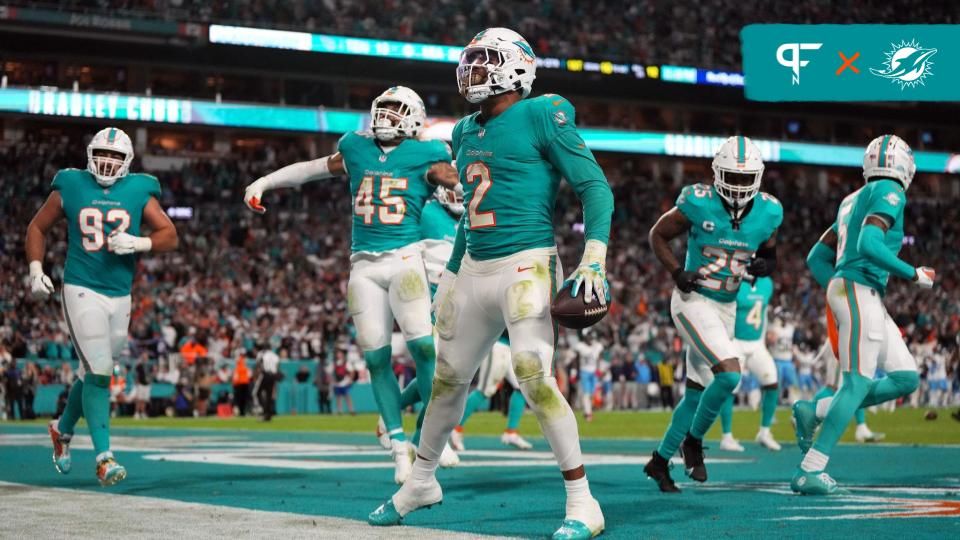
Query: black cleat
[(658, 469), (692, 451)]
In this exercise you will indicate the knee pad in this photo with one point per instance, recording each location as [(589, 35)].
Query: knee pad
[(544, 397), (446, 380), (906, 381), (727, 379)]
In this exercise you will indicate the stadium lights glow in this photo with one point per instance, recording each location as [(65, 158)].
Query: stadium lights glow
[(53, 102)]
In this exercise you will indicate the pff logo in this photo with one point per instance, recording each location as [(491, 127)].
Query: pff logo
[(907, 64), (794, 62)]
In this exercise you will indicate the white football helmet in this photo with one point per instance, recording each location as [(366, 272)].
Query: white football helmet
[(889, 156), (737, 170), (404, 120), (451, 199), (107, 169), (498, 60)]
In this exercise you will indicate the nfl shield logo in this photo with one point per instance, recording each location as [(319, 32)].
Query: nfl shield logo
[(383, 158), (482, 133)]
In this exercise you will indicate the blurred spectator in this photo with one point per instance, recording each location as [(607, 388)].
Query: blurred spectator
[(241, 385), (343, 378), (322, 381), (143, 378), (30, 381), (269, 372)]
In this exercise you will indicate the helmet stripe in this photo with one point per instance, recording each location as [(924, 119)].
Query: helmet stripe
[(741, 150), (111, 135), (882, 158)]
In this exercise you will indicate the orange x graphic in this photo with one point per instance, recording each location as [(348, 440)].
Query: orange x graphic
[(848, 63)]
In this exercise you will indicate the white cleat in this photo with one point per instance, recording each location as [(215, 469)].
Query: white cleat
[(400, 451), (449, 458), (728, 443), (382, 437), (583, 520), (766, 440), (863, 434), (512, 438), (456, 440)]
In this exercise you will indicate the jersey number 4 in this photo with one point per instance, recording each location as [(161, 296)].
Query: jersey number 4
[(392, 210), (478, 172), (91, 226)]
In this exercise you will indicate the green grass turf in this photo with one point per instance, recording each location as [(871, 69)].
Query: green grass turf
[(905, 426)]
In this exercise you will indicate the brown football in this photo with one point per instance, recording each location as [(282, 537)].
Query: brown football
[(573, 312)]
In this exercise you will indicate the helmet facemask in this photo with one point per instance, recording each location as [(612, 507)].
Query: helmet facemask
[(107, 165), (392, 119), (479, 74), (451, 199), (737, 188)]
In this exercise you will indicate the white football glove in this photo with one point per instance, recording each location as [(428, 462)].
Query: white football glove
[(254, 194), (122, 243), (591, 273), (447, 278), (925, 277), (40, 285)]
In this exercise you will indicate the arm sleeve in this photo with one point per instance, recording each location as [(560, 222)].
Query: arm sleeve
[(459, 247), (820, 261), (871, 245), (570, 155)]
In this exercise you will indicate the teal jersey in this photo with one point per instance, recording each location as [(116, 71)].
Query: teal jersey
[(510, 167), (752, 302), (389, 189), (93, 212), (885, 198), (714, 248), (436, 223)]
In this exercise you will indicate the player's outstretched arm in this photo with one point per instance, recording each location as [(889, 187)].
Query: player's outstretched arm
[(871, 245), (822, 258), (443, 174), (293, 176), (36, 242), (671, 225)]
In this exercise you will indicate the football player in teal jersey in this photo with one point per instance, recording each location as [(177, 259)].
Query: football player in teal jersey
[(104, 207), (731, 229), (511, 156), (392, 175), (855, 257), (750, 331)]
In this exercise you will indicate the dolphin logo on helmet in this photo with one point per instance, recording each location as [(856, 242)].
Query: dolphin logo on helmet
[(496, 61)]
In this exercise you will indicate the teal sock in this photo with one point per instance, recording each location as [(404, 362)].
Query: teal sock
[(416, 433), (825, 391), (768, 406), (410, 395), (860, 416), (845, 404), (74, 409), (894, 385), (474, 401), (726, 415), (679, 423), (96, 409), (515, 410), (712, 400), (425, 358), (386, 390)]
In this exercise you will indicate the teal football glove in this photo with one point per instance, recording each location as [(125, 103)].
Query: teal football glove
[(591, 274)]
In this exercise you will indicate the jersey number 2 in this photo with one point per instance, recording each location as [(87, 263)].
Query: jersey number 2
[(393, 208), (91, 226), (479, 172)]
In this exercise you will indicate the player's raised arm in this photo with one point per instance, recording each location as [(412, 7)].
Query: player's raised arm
[(671, 225), (35, 244), (822, 258), (293, 175)]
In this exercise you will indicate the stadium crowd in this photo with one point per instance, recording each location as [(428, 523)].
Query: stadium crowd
[(242, 284), (695, 33)]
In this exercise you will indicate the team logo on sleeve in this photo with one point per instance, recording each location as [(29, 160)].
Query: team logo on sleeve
[(560, 118), (893, 199), (709, 226)]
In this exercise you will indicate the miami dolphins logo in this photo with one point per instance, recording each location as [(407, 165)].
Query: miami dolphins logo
[(907, 64)]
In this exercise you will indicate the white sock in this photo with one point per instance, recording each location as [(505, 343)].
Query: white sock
[(577, 489), (814, 461), (763, 431), (423, 470), (104, 455), (823, 406), (556, 420), (728, 435)]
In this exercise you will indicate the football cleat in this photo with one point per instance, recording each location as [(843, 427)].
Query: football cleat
[(658, 469), (381, 433), (400, 452), (404, 501), (448, 458), (582, 523), (109, 472), (61, 448), (692, 451), (815, 483), (512, 438), (863, 434), (766, 440), (805, 423), (728, 443), (456, 439)]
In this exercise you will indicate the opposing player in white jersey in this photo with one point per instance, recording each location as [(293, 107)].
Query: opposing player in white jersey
[(392, 175), (104, 207), (588, 351), (503, 273), (782, 333)]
